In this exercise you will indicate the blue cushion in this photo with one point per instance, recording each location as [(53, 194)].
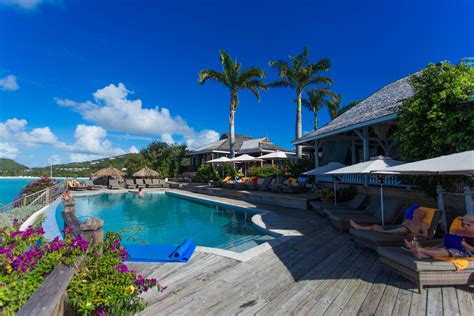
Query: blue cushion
[(302, 180), (453, 241), (410, 210)]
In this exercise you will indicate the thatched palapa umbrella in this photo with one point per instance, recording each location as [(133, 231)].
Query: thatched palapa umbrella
[(109, 172), (146, 173)]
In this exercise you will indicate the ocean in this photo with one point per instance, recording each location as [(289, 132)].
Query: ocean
[(11, 187)]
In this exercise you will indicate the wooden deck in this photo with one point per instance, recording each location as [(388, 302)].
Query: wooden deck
[(319, 273)]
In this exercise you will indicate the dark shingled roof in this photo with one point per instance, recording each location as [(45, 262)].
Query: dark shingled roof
[(384, 102), (242, 144)]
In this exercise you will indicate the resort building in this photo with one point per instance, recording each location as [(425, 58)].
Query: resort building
[(242, 145), (363, 131)]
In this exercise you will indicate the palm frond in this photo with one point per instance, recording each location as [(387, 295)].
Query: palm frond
[(230, 68), (207, 74), (255, 90), (319, 80), (282, 67), (321, 65), (281, 84), (252, 72)]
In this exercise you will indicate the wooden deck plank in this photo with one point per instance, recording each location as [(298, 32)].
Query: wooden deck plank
[(465, 300), (343, 288), (292, 296), (434, 302), (418, 303), (356, 296), (450, 301), (387, 302), (372, 300), (404, 298)]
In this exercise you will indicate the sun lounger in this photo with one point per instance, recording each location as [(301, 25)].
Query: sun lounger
[(392, 210), (76, 186), (253, 183), (266, 183), (242, 184), (140, 183), (91, 186), (130, 184), (424, 271), (161, 253), (354, 204), (156, 183), (114, 184), (298, 187), (373, 240), (164, 184), (148, 183)]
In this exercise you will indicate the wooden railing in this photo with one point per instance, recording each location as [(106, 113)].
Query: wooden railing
[(359, 179), (50, 298), (43, 197)]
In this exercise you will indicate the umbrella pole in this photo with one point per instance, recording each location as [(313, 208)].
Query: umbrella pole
[(439, 191), (335, 192), (381, 203), (468, 199), (277, 170)]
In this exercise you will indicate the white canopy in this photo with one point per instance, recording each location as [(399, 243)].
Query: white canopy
[(219, 160), (376, 163), (366, 167), (323, 169), (456, 164), (278, 155), (244, 158)]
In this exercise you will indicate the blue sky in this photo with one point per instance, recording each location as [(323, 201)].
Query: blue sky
[(86, 79)]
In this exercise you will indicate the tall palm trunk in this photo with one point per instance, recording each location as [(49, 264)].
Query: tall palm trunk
[(315, 120), (299, 125), (233, 104)]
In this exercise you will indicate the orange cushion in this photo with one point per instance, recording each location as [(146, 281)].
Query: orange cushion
[(227, 179), (429, 215), (292, 180), (456, 225)]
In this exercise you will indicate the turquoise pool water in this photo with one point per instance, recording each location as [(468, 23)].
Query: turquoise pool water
[(10, 188), (167, 219)]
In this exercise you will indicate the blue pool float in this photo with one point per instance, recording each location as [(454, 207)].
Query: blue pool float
[(161, 253)]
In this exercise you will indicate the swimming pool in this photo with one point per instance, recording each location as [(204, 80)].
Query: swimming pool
[(168, 219)]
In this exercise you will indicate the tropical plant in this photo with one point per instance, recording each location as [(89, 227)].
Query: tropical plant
[(235, 80), (134, 163), (205, 173), (165, 158), (266, 171), (298, 74), (320, 98), (227, 169), (440, 114)]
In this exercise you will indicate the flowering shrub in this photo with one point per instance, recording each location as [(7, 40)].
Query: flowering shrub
[(26, 259), (105, 286), (37, 185)]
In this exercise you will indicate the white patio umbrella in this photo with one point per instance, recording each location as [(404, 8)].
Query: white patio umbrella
[(461, 164), (326, 168), (220, 160), (278, 155), (244, 159), (366, 167)]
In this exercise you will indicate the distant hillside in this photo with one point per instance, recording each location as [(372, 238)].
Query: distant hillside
[(82, 169), (11, 167)]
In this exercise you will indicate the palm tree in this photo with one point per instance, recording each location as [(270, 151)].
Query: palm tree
[(235, 79), (318, 99), (299, 74)]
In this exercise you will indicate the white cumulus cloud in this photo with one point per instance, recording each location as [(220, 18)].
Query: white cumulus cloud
[(83, 157), (7, 150), (15, 130), (91, 140), (9, 83), (133, 150), (113, 110)]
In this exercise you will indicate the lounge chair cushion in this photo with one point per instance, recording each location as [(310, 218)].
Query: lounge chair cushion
[(406, 259), (428, 219), (391, 210), (455, 225), (376, 237)]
